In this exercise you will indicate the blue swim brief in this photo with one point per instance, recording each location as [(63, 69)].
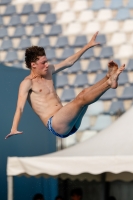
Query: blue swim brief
[(49, 126)]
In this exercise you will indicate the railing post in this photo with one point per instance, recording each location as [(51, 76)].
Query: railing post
[(10, 187)]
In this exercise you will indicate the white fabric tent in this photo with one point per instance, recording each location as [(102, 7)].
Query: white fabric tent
[(110, 152)]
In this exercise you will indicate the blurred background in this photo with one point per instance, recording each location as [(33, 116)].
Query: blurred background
[(62, 27)]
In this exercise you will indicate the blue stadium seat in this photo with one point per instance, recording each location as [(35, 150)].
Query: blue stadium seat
[(27, 9), (117, 61), (99, 77), (44, 42), (123, 79), (102, 122), (66, 53), (4, 2), (127, 93), (1, 21), (50, 53), (50, 18), (32, 19), (61, 42), (6, 44), (97, 5), (68, 94), (130, 4), (19, 32), (24, 43), (95, 108), (130, 65), (106, 52), (114, 5), (94, 66), (116, 107), (81, 80), (61, 81), (80, 41), (44, 8), (11, 56), (10, 10), (73, 69), (37, 30), (109, 95), (85, 124), (18, 65), (15, 20), (88, 54), (55, 30), (123, 14), (101, 39), (3, 32)]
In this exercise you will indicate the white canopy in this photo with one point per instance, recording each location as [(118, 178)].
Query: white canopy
[(109, 151)]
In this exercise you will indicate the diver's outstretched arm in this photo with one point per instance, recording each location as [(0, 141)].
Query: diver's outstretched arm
[(25, 86), (72, 59)]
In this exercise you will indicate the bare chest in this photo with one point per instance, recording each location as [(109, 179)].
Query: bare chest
[(43, 87)]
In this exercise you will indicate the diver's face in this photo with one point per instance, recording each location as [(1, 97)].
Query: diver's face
[(41, 65)]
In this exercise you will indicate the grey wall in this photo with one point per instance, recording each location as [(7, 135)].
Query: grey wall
[(36, 139)]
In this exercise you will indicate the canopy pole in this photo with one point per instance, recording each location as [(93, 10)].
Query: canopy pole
[(10, 187), (105, 186)]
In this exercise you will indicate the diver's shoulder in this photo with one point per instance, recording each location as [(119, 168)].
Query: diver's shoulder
[(28, 78), (27, 81)]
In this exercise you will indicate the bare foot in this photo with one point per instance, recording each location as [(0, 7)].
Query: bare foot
[(113, 80), (112, 68)]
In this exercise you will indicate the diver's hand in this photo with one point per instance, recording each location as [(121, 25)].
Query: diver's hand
[(13, 133), (93, 42)]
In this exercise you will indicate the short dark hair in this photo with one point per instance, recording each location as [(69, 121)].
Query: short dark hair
[(38, 196), (32, 53), (76, 191)]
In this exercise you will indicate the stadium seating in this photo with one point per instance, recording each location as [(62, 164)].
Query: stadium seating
[(116, 107), (86, 16), (102, 122), (27, 9), (74, 69), (6, 44), (61, 42), (85, 124), (80, 41), (66, 53), (61, 81), (50, 18), (127, 93), (88, 54), (81, 80), (110, 94), (95, 109), (10, 10), (97, 5), (94, 66), (44, 42), (130, 65), (24, 43), (68, 94), (114, 5), (14, 21), (123, 14), (11, 56), (32, 19), (19, 32), (44, 8)]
